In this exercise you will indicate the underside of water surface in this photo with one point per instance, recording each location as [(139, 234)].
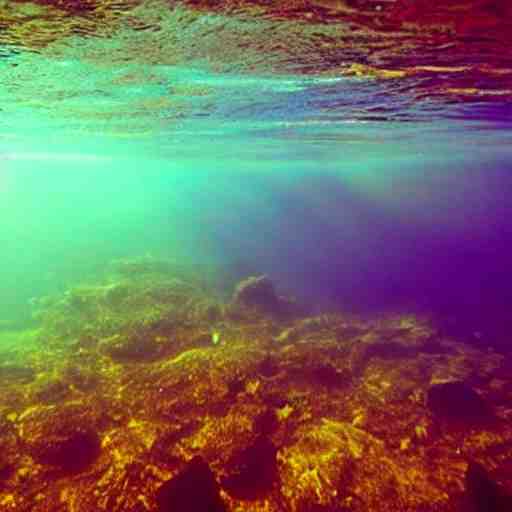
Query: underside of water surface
[(255, 256)]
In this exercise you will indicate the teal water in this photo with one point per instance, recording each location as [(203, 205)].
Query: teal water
[(345, 190)]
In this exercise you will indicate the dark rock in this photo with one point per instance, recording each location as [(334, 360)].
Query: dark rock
[(71, 449), (266, 423), (391, 350), (9, 453), (253, 471), (485, 495), (433, 346), (276, 400), (268, 367), (330, 377), (347, 332), (194, 490), (236, 385), (257, 293), (6, 471), (457, 401), (64, 438), (362, 353), (133, 348)]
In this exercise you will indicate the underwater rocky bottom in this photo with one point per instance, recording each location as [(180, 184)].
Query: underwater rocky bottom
[(150, 391)]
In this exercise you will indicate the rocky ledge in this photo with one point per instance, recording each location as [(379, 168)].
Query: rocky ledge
[(149, 391)]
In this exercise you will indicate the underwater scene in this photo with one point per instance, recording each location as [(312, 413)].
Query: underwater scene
[(255, 255)]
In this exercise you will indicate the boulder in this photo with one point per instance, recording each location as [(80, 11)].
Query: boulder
[(483, 494), (258, 293), (456, 401), (253, 471), (194, 490)]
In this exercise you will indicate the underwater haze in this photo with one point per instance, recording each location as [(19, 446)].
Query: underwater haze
[(256, 249), (380, 215)]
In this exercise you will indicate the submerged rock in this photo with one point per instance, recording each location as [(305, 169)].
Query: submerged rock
[(253, 471), (9, 452), (70, 448), (131, 348), (256, 293), (485, 495), (194, 490), (457, 401), (65, 439), (330, 377)]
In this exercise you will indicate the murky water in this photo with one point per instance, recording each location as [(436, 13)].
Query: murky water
[(357, 153)]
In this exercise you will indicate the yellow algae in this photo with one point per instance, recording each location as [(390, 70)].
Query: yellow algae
[(405, 443), (442, 69), (27, 412), (284, 412), (8, 501), (23, 472), (363, 70), (359, 419), (145, 502), (420, 431), (187, 354), (252, 387)]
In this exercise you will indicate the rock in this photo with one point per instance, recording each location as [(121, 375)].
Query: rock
[(456, 401), (268, 368), (253, 471), (328, 376), (257, 293), (433, 346), (131, 348), (194, 490), (266, 423), (9, 451), (71, 449), (65, 439), (485, 495)]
